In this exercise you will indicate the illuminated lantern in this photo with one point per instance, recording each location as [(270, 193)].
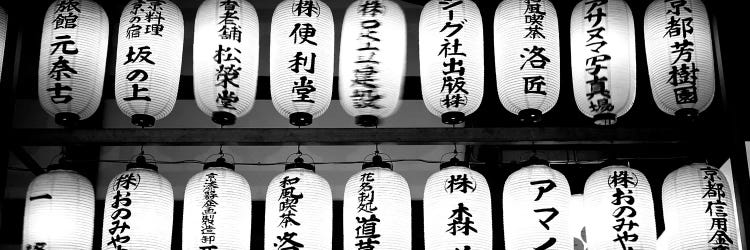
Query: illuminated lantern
[(299, 209), (73, 59), (378, 197), (149, 57), (680, 56), (372, 60), (616, 198), (302, 53), (138, 209), (577, 222), (457, 209), (536, 209), (59, 211), (450, 33), (218, 209), (527, 57), (697, 201), (3, 36), (225, 59), (603, 59)]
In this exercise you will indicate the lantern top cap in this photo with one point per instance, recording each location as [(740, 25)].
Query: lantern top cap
[(377, 162), (453, 162), (219, 163), (533, 160), (140, 162), (63, 164), (299, 163)]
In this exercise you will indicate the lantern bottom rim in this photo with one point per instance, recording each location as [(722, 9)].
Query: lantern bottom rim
[(223, 118), (367, 120), (142, 120), (67, 119), (453, 118), (300, 119), (687, 114), (606, 119), (530, 116)]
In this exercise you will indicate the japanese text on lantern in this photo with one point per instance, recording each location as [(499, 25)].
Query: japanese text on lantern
[(453, 74), (365, 92), (679, 29), (598, 64), (118, 232), (535, 59), (288, 201), (66, 18), (366, 226), (545, 186), (227, 72), (624, 182), (302, 62), (460, 218), (144, 13), (208, 229), (716, 209)]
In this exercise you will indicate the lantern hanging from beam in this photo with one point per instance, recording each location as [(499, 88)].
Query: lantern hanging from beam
[(302, 54), (603, 59), (527, 57), (457, 209), (372, 60), (225, 59), (3, 36), (138, 209), (149, 57), (619, 209), (377, 198), (698, 204), (451, 55), (680, 56)]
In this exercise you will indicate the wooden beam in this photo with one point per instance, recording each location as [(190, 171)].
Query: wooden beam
[(27, 160)]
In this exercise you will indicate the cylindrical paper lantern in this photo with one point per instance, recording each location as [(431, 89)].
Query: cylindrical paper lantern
[(603, 59), (299, 210), (577, 222), (3, 36), (302, 53), (72, 59), (372, 60), (377, 198), (698, 203), (451, 55), (527, 57), (536, 209), (149, 57), (225, 59), (59, 212), (680, 56), (457, 210), (619, 209), (218, 209), (138, 209)]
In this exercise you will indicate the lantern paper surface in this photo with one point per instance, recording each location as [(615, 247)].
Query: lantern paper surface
[(372, 58), (149, 57), (302, 54), (536, 209), (59, 212), (603, 59), (299, 211), (73, 57), (217, 213), (680, 55), (457, 210), (3, 36), (138, 211), (225, 57), (451, 55), (378, 199), (698, 203), (577, 222), (617, 198)]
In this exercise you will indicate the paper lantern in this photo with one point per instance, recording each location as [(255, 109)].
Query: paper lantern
[(299, 210), (138, 209), (457, 209), (451, 55), (619, 206), (698, 203), (302, 53), (603, 59), (372, 60), (3, 36), (218, 209), (527, 57), (577, 222), (59, 211), (377, 198), (680, 56), (536, 209), (225, 59), (149, 57)]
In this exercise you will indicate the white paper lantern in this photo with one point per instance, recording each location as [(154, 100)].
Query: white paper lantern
[(451, 55), (698, 203), (149, 57), (299, 211), (680, 56), (616, 198), (3, 36), (59, 212), (377, 198), (536, 209), (603, 59), (527, 57), (457, 210), (138, 209), (225, 59), (218, 209), (577, 222), (372, 60), (302, 54)]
